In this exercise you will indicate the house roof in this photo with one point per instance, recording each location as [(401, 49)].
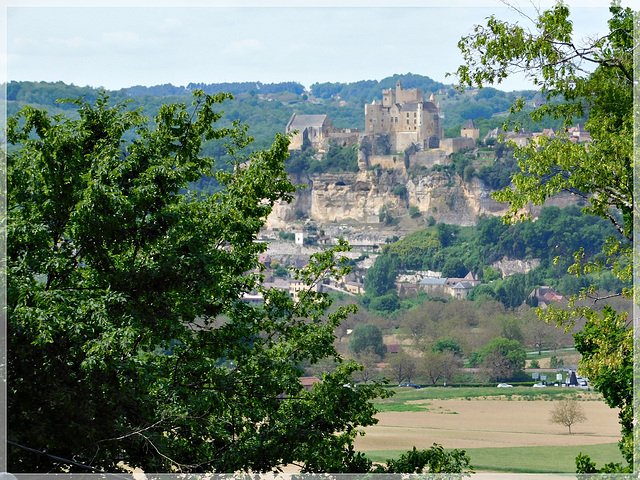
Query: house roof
[(309, 381), (300, 122), (471, 277), (394, 348), (469, 124), (433, 281), (411, 107)]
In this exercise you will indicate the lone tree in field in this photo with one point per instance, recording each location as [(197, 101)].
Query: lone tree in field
[(567, 412)]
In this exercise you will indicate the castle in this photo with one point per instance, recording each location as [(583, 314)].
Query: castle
[(403, 123), (406, 118)]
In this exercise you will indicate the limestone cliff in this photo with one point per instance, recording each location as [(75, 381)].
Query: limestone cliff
[(358, 197)]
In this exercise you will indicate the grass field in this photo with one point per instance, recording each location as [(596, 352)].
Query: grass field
[(527, 459), (503, 430)]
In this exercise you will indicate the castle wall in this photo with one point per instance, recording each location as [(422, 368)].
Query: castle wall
[(297, 140), (345, 138), (388, 162), (451, 145), (404, 140), (429, 158)]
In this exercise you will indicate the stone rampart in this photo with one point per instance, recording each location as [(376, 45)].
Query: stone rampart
[(452, 145)]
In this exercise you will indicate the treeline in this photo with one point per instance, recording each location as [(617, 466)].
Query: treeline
[(453, 250), (367, 90), (266, 118)]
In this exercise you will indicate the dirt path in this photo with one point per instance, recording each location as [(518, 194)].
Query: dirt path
[(488, 423)]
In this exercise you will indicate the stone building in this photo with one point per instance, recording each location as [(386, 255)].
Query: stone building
[(406, 117), (470, 130), (314, 129)]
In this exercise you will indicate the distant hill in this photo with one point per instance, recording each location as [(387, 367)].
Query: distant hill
[(365, 91)]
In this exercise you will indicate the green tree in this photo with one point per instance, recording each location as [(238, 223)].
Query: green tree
[(454, 267), (502, 358), (367, 338), (128, 337), (447, 345), (600, 172), (380, 278)]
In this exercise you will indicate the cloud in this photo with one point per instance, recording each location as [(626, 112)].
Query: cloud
[(128, 40), (247, 45), (74, 43)]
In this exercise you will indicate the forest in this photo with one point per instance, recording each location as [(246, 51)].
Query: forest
[(455, 251)]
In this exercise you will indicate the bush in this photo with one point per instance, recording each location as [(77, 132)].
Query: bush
[(386, 303)]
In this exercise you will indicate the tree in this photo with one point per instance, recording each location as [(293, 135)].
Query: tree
[(454, 267), (567, 412), (367, 338), (502, 358), (381, 276), (128, 337), (402, 366), (440, 365), (601, 172), (369, 361), (447, 345)]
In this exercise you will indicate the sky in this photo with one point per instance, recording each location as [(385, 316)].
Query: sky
[(118, 44)]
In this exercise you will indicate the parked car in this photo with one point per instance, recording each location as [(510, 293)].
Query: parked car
[(539, 385), (504, 385), (407, 384)]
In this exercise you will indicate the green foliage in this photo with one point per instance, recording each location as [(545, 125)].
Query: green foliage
[(290, 237), (335, 160), (447, 345), (555, 362), (380, 278), (385, 303), (365, 91), (386, 215), (534, 364), (606, 346), (502, 359), (600, 172), (414, 211), (129, 340), (367, 338), (490, 274), (399, 190), (432, 460), (454, 268)]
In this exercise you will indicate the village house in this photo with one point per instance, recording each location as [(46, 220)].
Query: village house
[(544, 296)]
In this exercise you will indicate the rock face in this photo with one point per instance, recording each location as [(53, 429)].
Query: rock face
[(360, 196), (508, 267)]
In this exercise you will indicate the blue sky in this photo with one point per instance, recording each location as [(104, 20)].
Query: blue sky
[(119, 44)]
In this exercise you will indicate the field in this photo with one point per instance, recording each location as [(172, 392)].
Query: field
[(501, 431)]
